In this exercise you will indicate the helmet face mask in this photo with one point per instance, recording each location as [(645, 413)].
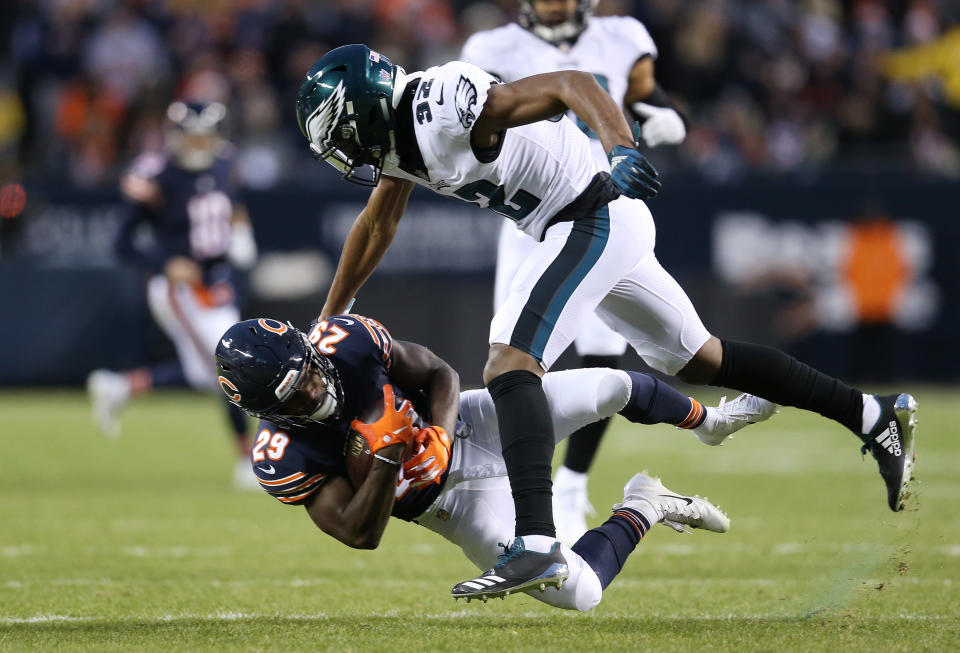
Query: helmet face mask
[(561, 32), (345, 110), (273, 372), (193, 134), (298, 406)]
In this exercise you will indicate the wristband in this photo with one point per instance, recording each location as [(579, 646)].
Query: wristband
[(395, 463)]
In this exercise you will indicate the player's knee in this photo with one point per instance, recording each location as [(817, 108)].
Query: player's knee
[(504, 358), (613, 392)]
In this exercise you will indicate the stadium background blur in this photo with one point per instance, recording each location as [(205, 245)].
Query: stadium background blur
[(812, 205)]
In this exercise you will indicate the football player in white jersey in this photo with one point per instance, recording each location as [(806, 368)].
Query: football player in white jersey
[(456, 130), (562, 35)]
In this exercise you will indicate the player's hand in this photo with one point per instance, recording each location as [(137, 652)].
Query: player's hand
[(428, 465), (180, 269), (395, 426), (632, 174), (663, 125)]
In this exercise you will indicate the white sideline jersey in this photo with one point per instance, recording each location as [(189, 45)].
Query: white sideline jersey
[(539, 168), (607, 48)]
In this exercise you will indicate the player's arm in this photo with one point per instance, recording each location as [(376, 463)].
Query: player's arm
[(358, 518), (142, 198), (662, 123), (543, 96), (367, 242), (417, 368), (243, 247)]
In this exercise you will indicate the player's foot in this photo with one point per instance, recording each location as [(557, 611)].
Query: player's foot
[(891, 443), (108, 392), (517, 569), (570, 505), (731, 416), (243, 476), (675, 510)]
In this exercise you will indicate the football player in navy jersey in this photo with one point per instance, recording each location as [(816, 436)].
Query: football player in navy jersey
[(187, 196), (309, 389)]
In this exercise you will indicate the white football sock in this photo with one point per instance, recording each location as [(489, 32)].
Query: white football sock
[(567, 479), (538, 543), (871, 413)]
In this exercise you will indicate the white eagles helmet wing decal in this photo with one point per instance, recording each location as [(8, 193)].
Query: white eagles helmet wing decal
[(465, 99), (321, 122)]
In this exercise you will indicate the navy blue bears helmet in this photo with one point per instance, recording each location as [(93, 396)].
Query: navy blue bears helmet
[(272, 371)]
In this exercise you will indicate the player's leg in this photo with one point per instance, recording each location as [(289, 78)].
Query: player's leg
[(653, 312), (110, 391), (597, 346), (645, 502), (571, 270), (885, 424)]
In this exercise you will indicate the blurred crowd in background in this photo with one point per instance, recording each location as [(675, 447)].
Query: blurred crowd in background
[(772, 86)]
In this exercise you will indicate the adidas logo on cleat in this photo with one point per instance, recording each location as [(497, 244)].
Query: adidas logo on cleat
[(889, 439)]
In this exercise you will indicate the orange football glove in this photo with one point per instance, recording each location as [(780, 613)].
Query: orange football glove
[(429, 464), (395, 426)]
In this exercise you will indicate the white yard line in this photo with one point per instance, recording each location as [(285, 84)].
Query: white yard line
[(467, 613)]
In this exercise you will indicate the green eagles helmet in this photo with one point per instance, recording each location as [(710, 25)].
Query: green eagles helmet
[(345, 109)]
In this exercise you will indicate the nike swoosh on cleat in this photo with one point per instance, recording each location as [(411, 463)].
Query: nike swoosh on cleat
[(674, 496)]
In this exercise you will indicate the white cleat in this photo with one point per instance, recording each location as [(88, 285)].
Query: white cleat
[(675, 510), (731, 416), (109, 392), (243, 476), (570, 505)]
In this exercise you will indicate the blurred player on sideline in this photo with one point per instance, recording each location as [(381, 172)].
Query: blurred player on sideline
[(562, 35), (201, 233), (309, 389)]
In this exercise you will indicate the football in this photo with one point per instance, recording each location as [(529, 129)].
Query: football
[(356, 450)]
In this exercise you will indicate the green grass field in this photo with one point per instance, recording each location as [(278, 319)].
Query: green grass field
[(142, 544)]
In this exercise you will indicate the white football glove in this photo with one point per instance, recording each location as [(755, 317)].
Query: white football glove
[(662, 124)]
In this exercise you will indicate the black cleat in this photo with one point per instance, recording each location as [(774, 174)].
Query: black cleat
[(516, 570), (891, 443)]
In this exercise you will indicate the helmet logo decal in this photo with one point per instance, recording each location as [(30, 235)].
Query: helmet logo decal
[(374, 56), (321, 122), (279, 328), (233, 394), (465, 98), (287, 385)]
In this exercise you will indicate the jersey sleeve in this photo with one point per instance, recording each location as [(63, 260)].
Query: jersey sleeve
[(634, 33), (463, 89), (281, 468), (357, 334)]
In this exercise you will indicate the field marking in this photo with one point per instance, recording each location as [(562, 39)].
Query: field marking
[(174, 551), (17, 551), (621, 582), (436, 616)]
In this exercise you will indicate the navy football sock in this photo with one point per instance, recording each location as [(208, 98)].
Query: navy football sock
[(526, 438), (654, 402), (583, 444), (606, 547), (238, 420)]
